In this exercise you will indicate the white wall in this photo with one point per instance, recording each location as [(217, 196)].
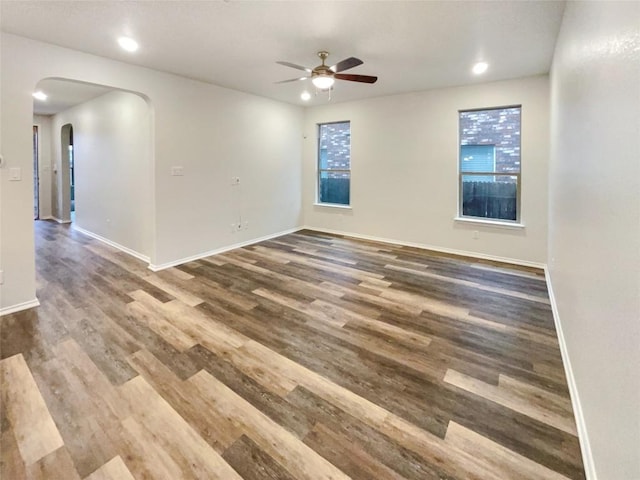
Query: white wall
[(213, 132), (113, 168), (404, 154), (594, 224), (44, 163)]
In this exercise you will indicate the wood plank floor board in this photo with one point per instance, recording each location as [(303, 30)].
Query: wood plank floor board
[(307, 356), (272, 405), (35, 431), (150, 314), (154, 342), (11, 464), (512, 464), (301, 461), (552, 447), (217, 430), (348, 456), (165, 428), (84, 405), (22, 335), (106, 344), (344, 362), (406, 462), (114, 469), (252, 463), (546, 409), (214, 287), (57, 464), (346, 365)]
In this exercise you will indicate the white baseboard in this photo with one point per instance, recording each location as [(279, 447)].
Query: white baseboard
[(56, 219), (423, 246), (111, 243), (19, 307), (583, 436), (156, 268)]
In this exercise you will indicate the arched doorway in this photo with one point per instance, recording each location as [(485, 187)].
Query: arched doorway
[(101, 177)]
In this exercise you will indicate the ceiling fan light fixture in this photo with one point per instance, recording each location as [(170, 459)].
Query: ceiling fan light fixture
[(323, 82), (40, 95), (306, 96)]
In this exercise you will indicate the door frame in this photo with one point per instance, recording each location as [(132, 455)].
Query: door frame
[(36, 172)]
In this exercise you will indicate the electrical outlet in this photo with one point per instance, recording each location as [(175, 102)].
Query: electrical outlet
[(235, 181), (245, 224), (177, 171)]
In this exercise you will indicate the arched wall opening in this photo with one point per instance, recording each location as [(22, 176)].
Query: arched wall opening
[(112, 162)]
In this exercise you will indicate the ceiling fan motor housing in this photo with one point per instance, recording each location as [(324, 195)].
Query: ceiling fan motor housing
[(322, 70)]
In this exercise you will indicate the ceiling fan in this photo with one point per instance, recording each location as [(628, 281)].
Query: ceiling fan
[(324, 76)]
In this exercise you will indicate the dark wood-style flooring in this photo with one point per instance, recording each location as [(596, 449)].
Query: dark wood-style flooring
[(309, 356)]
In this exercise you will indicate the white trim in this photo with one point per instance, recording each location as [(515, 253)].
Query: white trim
[(332, 205), (48, 217), (56, 219), (583, 436), (198, 256), (453, 251), (19, 307), (111, 243), (489, 223)]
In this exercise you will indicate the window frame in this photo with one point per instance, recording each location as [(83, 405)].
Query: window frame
[(518, 175), (320, 171)]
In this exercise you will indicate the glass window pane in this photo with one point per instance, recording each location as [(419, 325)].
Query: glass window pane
[(334, 187), (334, 162), (335, 146), (477, 158), (498, 127), (322, 154), (494, 196)]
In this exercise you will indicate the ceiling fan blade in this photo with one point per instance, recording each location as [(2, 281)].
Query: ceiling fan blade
[(356, 78), (292, 80), (346, 64), (293, 65)]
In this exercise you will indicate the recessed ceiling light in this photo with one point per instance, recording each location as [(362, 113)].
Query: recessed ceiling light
[(305, 96), (40, 95), (480, 67), (128, 44)]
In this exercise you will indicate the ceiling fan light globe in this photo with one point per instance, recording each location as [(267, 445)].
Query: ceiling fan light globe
[(323, 82)]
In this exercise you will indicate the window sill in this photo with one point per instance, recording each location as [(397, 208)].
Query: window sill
[(332, 205), (490, 223)]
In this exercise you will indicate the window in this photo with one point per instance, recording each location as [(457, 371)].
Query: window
[(489, 164), (334, 163)]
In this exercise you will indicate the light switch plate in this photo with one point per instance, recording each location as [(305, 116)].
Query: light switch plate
[(15, 174)]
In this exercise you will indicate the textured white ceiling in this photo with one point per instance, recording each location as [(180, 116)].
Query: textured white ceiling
[(409, 45)]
